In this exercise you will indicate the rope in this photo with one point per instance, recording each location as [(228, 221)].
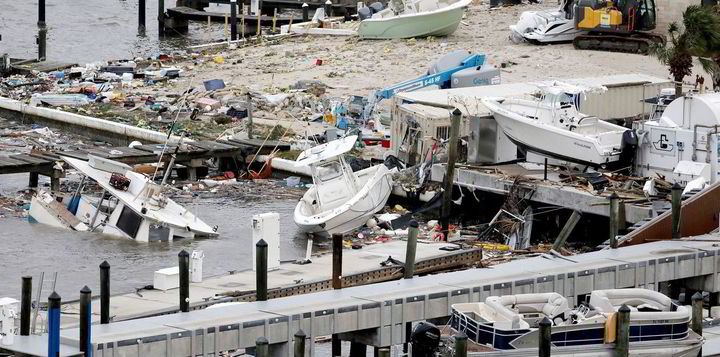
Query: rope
[(177, 115)]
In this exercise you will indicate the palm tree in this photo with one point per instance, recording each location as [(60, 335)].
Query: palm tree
[(699, 37)]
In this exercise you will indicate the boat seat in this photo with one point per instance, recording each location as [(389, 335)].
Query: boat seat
[(549, 304), (427, 5)]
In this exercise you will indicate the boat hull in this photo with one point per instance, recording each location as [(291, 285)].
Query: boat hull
[(353, 214), (442, 22)]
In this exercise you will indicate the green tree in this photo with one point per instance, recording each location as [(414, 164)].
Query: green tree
[(699, 37)]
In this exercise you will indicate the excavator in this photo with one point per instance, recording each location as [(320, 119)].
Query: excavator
[(618, 26)]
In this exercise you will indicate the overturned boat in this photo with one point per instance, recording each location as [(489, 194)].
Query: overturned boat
[(551, 125), (131, 206), (509, 325), (340, 200), (547, 26), (414, 18)]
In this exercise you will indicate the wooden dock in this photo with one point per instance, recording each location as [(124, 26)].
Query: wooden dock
[(24, 66), (187, 13)]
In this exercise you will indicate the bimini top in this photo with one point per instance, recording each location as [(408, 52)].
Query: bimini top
[(326, 151), (558, 87)]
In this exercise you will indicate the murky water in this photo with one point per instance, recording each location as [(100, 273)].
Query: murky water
[(92, 30), (29, 249)]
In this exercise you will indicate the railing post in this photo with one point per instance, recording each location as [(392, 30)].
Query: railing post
[(261, 270), (337, 261), (299, 345), (410, 250), (85, 321), (25, 305), (545, 337), (676, 208), (184, 266), (622, 339), (54, 324), (105, 292), (614, 216), (461, 345)]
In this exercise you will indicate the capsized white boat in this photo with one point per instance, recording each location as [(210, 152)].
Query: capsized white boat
[(547, 26), (340, 200), (137, 208), (414, 18), (509, 324), (551, 125)]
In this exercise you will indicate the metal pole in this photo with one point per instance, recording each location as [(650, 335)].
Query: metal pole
[(54, 324), (261, 270), (299, 345), (461, 345), (41, 13), (622, 341), (141, 15), (306, 12), (410, 250), (97, 210), (104, 292), (676, 208), (250, 107), (184, 266), (696, 323), (25, 305), (337, 261), (161, 17), (85, 321), (450, 174), (545, 337), (567, 229), (261, 347), (233, 20), (614, 216)]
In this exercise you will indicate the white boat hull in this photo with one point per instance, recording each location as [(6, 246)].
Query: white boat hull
[(545, 27), (370, 199), (441, 22)]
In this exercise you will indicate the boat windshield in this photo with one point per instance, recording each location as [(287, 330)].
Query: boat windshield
[(328, 171)]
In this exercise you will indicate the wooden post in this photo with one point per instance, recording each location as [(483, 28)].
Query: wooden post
[(384, 352), (328, 9), (250, 110), (274, 19), (242, 25), (209, 20), (410, 250), (33, 180), (105, 292), (545, 170), (614, 217), (261, 270), (290, 24), (299, 345), (42, 43), (25, 305), (262, 349), (545, 337), (622, 340), (337, 260), (184, 266), (358, 349), (141, 15), (85, 321), (54, 324), (335, 345), (567, 229), (696, 323), (461, 344), (258, 33), (306, 12), (233, 20), (450, 174), (226, 27), (41, 13), (676, 208), (161, 17)]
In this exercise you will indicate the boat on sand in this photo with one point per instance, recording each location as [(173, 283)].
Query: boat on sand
[(414, 18)]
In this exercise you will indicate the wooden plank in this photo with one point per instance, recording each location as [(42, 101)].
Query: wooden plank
[(30, 159), (10, 161), (214, 146), (75, 154), (199, 15), (256, 143)]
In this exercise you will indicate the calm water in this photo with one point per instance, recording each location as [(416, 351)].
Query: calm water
[(29, 249), (92, 30)]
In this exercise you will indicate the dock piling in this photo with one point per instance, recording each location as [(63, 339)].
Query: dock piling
[(461, 345), (42, 43), (410, 250), (299, 345), (85, 321), (184, 266), (261, 270), (335, 345), (233, 20), (306, 12), (104, 292), (258, 32), (41, 13), (545, 170), (161, 17), (384, 352), (567, 229), (141, 15), (328, 8), (337, 260), (676, 207), (25, 305), (450, 174), (622, 341), (262, 349), (614, 216), (545, 337), (54, 324), (696, 323), (250, 104), (274, 20), (358, 349)]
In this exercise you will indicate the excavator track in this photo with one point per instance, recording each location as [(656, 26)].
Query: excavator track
[(635, 43)]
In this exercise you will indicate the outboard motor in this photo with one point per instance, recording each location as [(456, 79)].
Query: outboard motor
[(425, 339), (628, 146)]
